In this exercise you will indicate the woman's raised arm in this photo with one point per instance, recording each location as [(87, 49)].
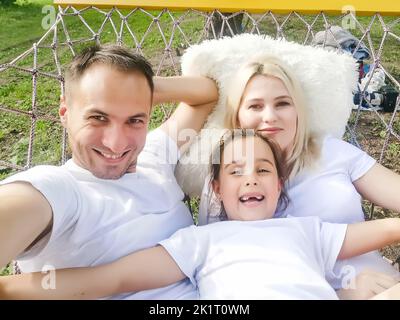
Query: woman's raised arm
[(192, 90)]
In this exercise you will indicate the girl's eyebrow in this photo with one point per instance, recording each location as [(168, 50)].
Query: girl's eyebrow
[(265, 160), (241, 163)]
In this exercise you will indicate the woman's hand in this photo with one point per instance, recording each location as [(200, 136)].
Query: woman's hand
[(391, 294), (367, 285)]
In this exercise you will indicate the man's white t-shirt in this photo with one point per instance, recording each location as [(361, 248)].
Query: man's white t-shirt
[(281, 258), (97, 221)]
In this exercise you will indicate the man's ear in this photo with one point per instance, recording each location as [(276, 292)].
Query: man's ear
[(216, 188), (63, 111)]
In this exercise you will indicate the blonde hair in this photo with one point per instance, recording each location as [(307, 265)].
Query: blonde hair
[(306, 146)]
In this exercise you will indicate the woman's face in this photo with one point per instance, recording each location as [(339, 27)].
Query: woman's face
[(268, 108)]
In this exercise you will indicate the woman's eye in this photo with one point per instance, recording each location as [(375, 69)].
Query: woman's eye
[(283, 104), (236, 172), (255, 107), (263, 170)]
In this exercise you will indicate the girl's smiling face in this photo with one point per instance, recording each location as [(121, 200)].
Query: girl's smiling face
[(248, 184)]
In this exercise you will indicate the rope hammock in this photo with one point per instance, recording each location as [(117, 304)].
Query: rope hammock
[(172, 32)]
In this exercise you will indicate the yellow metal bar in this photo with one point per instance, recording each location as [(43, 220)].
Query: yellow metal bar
[(361, 7)]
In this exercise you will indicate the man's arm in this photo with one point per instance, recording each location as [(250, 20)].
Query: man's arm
[(24, 215), (146, 269), (368, 236), (198, 96)]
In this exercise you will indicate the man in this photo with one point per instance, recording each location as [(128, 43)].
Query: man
[(118, 193)]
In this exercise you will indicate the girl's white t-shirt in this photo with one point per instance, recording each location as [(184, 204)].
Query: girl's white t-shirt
[(280, 258), (327, 191)]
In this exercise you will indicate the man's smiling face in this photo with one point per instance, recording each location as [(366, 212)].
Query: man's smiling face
[(106, 115)]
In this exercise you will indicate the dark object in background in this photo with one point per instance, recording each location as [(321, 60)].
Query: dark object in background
[(371, 100), (384, 99), (390, 95), (236, 25)]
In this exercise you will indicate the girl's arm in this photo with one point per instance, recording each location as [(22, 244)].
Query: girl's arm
[(142, 270), (368, 236), (192, 90), (380, 186)]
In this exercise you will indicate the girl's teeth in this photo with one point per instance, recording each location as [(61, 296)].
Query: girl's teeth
[(259, 198)]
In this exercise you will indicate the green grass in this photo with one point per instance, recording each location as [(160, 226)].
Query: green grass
[(20, 27), (24, 23), (5, 271)]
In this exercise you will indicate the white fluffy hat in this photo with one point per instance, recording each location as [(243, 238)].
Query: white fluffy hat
[(327, 78)]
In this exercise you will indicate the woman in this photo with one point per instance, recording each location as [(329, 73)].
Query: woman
[(327, 175)]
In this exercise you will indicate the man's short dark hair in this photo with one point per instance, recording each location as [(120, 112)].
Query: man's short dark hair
[(120, 57)]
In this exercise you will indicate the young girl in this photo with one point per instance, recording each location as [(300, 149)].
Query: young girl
[(327, 175), (250, 255)]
